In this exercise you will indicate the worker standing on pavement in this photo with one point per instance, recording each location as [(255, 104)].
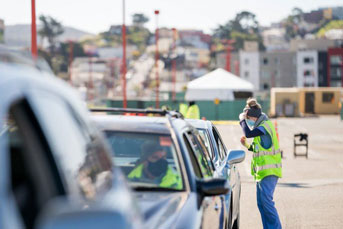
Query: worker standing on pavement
[(266, 162), (193, 111), (183, 107)]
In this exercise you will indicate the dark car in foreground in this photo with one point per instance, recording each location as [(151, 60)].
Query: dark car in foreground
[(55, 167), (167, 163), (221, 158)]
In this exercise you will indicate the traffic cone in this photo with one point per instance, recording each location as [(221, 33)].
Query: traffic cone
[(276, 130), (277, 135)]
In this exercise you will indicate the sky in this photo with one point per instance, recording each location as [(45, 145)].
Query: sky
[(97, 15)]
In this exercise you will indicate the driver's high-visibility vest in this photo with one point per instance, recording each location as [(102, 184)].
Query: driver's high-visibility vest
[(266, 162), (169, 180)]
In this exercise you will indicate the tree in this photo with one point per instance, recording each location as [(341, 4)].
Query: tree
[(139, 19), (50, 30), (292, 24), (244, 27)]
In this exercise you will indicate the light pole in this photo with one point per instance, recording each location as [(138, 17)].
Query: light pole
[(228, 55), (90, 78), (156, 61), (71, 49), (33, 30), (174, 65), (124, 58)]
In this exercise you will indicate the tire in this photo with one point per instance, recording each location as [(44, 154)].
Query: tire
[(236, 223), (229, 223)]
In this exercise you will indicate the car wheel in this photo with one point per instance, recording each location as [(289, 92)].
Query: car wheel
[(229, 222), (236, 223)]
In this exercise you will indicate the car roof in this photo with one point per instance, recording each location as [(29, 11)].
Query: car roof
[(17, 79), (157, 125), (200, 124), (22, 58)]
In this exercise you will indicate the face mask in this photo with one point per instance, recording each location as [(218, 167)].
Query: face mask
[(250, 122), (158, 168)]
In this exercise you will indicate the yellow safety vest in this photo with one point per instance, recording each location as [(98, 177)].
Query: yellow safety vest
[(170, 180), (193, 112), (266, 162), (183, 109)]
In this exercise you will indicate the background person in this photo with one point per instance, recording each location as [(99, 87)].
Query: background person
[(266, 163), (193, 111)]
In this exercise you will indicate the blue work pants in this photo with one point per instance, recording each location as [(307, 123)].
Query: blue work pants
[(265, 190)]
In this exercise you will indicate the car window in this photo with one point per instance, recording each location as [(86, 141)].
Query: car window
[(34, 175), (194, 161), (220, 145), (200, 155), (204, 150), (78, 153), (205, 137), (148, 160)]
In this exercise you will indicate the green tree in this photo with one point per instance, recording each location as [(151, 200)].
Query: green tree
[(50, 30), (139, 19), (292, 24), (244, 27)]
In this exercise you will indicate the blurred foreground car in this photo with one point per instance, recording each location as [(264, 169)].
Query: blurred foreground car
[(222, 159), (167, 163), (55, 168)]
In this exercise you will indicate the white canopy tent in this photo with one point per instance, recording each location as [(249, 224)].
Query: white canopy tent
[(218, 84)]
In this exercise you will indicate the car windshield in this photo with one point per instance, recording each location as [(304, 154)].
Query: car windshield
[(148, 160), (203, 134)]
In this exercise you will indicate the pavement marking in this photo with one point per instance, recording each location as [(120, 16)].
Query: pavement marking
[(221, 122)]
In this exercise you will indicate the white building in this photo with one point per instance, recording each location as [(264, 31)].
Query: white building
[(307, 69), (250, 67)]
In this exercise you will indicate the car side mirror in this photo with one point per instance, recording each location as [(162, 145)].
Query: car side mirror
[(236, 156), (213, 187), (62, 214)]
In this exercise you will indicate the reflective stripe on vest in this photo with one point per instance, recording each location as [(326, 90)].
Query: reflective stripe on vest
[(272, 166), (263, 153)]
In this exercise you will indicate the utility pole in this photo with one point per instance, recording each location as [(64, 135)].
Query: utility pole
[(71, 52), (228, 54), (90, 79), (156, 62), (124, 58), (33, 30), (174, 65)]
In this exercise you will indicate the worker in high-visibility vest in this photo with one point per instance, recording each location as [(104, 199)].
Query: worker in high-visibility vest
[(153, 168), (193, 111), (266, 164), (183, 107)]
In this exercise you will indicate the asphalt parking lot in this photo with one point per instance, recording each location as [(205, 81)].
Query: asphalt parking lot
[(310, 194)]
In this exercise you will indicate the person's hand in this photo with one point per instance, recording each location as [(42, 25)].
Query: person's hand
[(243, 140), (242, 116)]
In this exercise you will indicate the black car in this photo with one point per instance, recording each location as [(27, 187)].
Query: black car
[(221, 157), (55, 167), (183, 190)]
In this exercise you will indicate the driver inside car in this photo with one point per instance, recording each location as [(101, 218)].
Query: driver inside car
[(153, 168)]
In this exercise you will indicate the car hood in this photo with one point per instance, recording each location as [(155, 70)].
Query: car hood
[(161, 209)]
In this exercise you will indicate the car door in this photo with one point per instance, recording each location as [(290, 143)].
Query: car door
[(212, 207), (83, 155), (86, 165), (229, 172), (34, 177)]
